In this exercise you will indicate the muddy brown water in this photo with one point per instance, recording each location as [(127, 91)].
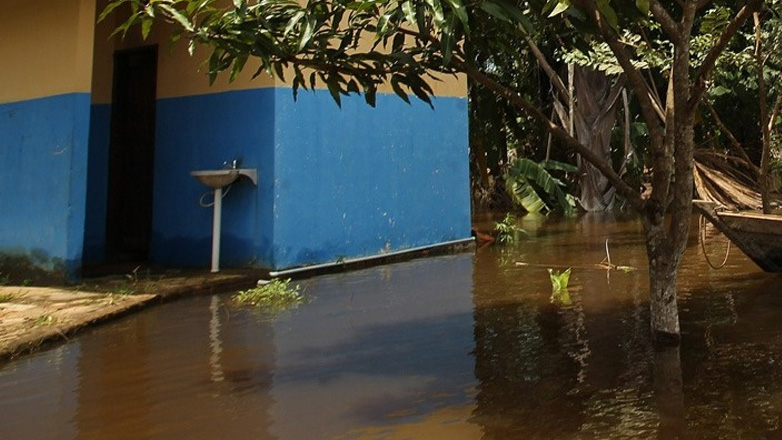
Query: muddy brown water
[(461, 347)]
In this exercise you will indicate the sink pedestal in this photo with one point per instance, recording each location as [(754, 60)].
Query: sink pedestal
[(217, 218), (217, 180)]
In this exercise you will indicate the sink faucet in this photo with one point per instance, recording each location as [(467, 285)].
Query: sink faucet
[(234, 164)]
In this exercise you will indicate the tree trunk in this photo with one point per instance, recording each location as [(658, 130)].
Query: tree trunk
[(664, 262), (765, 159), (594, 119), (669, 393)]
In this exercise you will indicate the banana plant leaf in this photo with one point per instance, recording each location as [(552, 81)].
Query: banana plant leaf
[(553, 165), (528, 182)]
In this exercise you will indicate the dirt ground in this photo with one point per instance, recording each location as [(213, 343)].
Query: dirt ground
[(33, 316)]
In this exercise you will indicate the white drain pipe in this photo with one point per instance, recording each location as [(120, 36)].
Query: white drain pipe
[(216, 227)]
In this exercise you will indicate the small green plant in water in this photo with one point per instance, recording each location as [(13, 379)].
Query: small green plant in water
[(559, 282), (276, 295), (507, 231)]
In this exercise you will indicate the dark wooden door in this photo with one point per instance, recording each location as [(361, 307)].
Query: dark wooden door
[(131, 155)]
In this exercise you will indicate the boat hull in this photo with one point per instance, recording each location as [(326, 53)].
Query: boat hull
[(758, 235)]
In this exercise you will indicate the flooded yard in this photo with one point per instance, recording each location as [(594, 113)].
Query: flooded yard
[(462, 347)]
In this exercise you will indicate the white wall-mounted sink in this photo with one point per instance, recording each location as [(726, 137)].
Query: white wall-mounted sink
[(221, 178), (217, 180)]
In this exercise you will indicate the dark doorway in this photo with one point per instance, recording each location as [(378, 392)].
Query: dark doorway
[(131, 155)]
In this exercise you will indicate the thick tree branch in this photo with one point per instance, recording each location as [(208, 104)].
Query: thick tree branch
[(765, 157), (683, 146), (668, 24), (552, 75)]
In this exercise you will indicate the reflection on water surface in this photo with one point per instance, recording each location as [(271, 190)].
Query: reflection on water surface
[(458, 347)]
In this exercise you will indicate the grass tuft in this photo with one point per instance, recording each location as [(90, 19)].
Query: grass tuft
[(274, 296)]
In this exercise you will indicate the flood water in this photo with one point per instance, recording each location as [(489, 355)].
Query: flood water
[(462, 347)]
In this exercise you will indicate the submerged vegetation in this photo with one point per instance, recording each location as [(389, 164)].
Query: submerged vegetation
[(274, 296), (507, 230), (559, 286), (559, 280), (559, 283)]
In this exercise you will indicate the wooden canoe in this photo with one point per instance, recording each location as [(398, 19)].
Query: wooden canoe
[(758, 235)]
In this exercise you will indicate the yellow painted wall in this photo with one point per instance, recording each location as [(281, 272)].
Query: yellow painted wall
[(180, 74), (447, 85), (45, 48)]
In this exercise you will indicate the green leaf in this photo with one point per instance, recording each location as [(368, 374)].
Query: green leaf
[(604, 6), (146, 26), (409, 11), (643, 6), (507, 12), (448, 39), (437, 11), (309, 30), (292, 23), (176, 15), (553, 165), (527, 181), (383, 24), (109, 9), (239, 63), (420, 18), (279, 72), (719, 91), (460, 12), (559, 280), (525, 195), (561, 7), (495, 10)]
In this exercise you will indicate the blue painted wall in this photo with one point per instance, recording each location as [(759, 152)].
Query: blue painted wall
[(43, 152), (333, 183), (361, 181), (203, 132)]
